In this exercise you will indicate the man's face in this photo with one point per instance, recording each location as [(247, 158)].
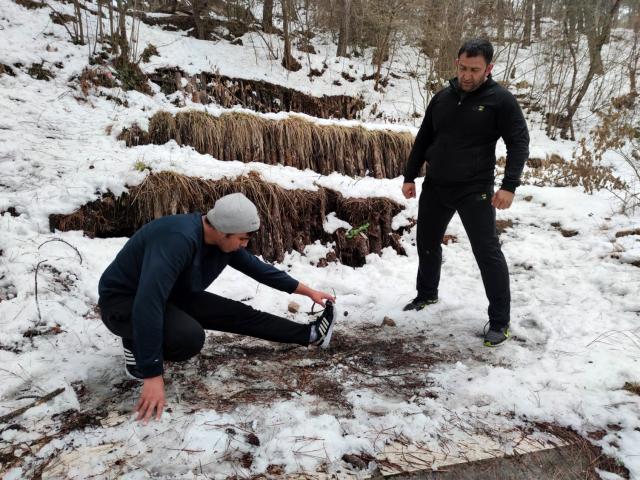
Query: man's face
[(472, 71), (234, 241)]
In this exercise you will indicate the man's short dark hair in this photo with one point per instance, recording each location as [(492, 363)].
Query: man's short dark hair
[(477, 46)]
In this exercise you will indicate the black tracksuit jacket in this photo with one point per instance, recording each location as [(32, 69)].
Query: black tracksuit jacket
[(458, 137)]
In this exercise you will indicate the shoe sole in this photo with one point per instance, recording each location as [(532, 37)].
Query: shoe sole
[(494, 345), (417, 309)]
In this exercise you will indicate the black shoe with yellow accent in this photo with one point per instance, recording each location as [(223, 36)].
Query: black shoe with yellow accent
[(324, 326), (496, 336), (419, 303)]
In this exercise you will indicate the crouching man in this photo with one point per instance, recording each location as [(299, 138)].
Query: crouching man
[(153, 294)]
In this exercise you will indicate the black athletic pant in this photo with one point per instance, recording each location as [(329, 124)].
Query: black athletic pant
[(186, 319), (473, 203)]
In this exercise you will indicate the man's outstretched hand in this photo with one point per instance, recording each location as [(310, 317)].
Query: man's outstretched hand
[(502, 199), (316, 295), (151, 399)]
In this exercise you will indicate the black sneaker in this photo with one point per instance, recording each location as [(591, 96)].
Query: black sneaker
[(324, 326), (130, 368), (495, 336), (419, 303)]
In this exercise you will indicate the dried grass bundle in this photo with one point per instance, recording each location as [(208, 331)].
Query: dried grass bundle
[(294, 142), (291, 219)]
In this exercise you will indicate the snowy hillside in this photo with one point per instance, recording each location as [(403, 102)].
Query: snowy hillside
[(246, 407)]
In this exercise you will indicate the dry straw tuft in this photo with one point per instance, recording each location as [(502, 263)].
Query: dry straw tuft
[(134, 136), (164, 127), (553, 170), (291, 219), (294, 142)]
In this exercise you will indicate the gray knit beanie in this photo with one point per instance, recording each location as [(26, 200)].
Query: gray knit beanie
[(234, 213)]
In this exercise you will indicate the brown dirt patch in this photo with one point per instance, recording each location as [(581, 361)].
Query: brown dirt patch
[(261, 372)]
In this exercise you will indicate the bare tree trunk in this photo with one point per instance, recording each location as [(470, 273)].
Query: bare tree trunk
[(357, 12), (571, 13), (382, 51), (78, 12), (134, 37), (500, 13), (595, 62), (597, 24), (451, 37), (267, 16), (345, 23), (635, 57), (476, 17), (288, 61), (285, 28), (442, 34), (198, 7), (122, 32), (526, 33), (112, 38), (293, 11), (537, 17), (581, 8), (100, 29)]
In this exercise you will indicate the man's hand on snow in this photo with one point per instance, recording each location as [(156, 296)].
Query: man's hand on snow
[(502, 199), (151, 398)]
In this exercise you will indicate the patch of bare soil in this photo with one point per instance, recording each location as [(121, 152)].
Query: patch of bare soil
[(256, 372)]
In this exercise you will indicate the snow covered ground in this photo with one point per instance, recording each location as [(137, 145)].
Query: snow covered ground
[(575, 309)]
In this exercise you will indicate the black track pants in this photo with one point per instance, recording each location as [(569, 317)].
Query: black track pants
[(186, 319), (436, 208)]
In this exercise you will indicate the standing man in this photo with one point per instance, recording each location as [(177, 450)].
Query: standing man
[(457, 139), (153, 294)]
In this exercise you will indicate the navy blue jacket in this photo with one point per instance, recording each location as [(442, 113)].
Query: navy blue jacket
[(168, 258), (459, 133)]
